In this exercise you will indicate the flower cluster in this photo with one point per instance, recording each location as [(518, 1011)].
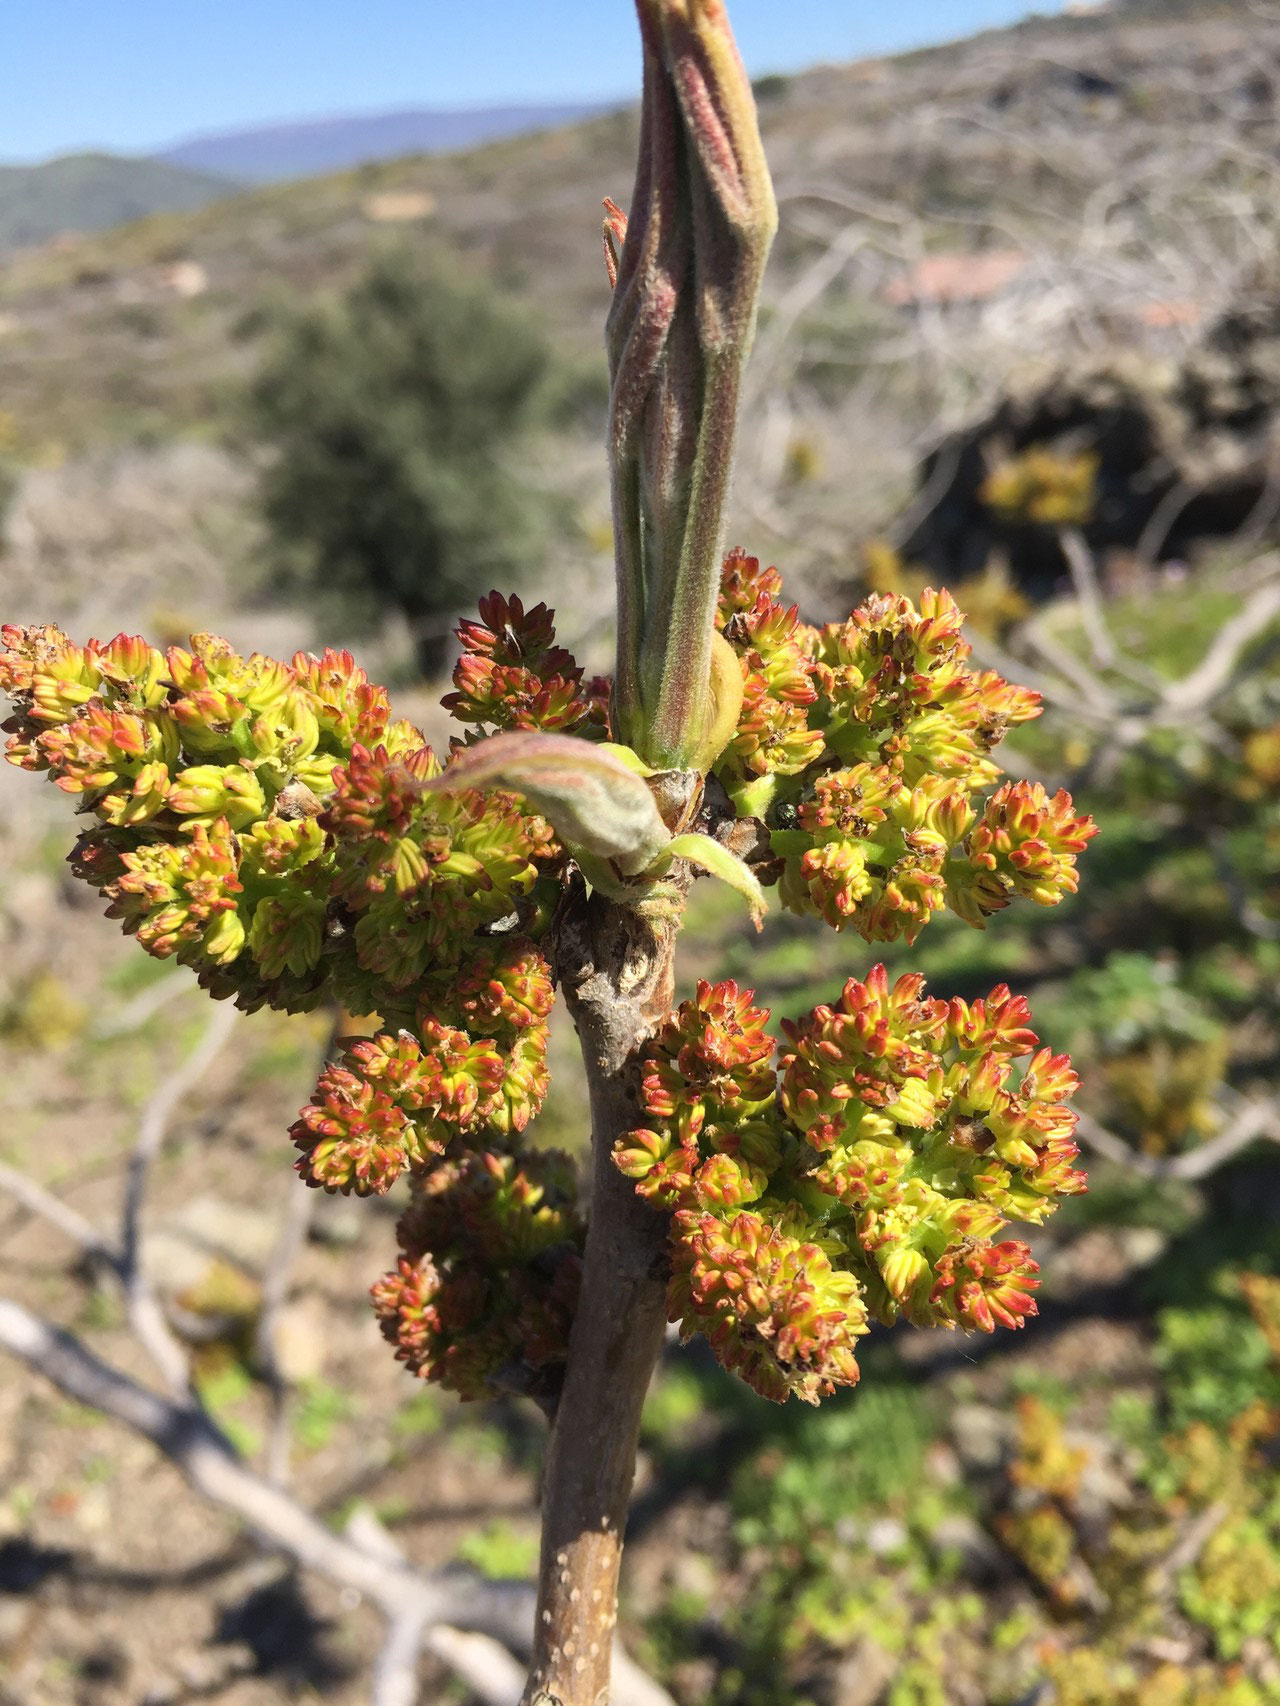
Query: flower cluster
[(869, 1173), (271, 826), (512, 675), (473, 1062), (709, 1086), (863, 745), (484, 1292), (774, 737), (774, 1306), (264, 822), (267, 824)]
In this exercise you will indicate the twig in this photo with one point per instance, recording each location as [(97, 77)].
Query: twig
[(395, 1670), (146, 1317), (194, 1445), (936, 486), (488, 1669), (276, 1280), (1161, 521), (155, 1124), (277, 1275), (134, 1014), (1245, 913), (1093, 619), (1098, 695), (1084, 578), (503, 1611), (1264, 512), (1257, 1120), (1186, 1549), (482, 1663), (1187, 698), (36, 1200), (991, 656)]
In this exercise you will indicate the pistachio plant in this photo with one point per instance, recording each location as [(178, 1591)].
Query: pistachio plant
[(273, 827)]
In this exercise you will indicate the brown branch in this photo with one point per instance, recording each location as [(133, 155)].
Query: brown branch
[(1195, 1536), (277, 1280), (72, 1224), (426, 1609), (1187, 698), (146, 1317), (1084, 578), (1256, 1120), (616, 971)]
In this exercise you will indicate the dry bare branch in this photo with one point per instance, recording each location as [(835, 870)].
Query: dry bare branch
[(1256, 1120), (1100, 702), (276, 1281), (1084, 578), (410, 1600), (38, 1201), (1187, 698), (487, 1668), (145, 1005), (146, 1317), (1195, 1536), (1249, 917)]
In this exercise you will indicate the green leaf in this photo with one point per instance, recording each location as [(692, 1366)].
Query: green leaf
[(713, 857), (625, 755), (754, 798), (785, 841), (593, 800)]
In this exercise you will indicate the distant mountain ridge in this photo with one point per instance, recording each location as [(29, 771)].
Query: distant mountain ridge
[(93, 192), (270, 153)]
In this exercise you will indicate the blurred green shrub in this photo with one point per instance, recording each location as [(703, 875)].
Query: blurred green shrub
[(1044, 487), (1161, 1052), (500, 1552), (395, 413)]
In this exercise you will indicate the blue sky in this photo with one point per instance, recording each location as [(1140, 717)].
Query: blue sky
[(129, 75)]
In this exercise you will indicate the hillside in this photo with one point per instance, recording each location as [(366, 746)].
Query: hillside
[(92, 192), (268, 153), (1052, 192)]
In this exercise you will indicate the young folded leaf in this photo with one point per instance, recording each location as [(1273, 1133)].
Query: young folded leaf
[(687, 278), (593, 801), (716, 859)]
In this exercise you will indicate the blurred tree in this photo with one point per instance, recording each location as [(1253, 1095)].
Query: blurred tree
[(395, 411)]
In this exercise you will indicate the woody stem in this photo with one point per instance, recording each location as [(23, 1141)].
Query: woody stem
[(616, 971)]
